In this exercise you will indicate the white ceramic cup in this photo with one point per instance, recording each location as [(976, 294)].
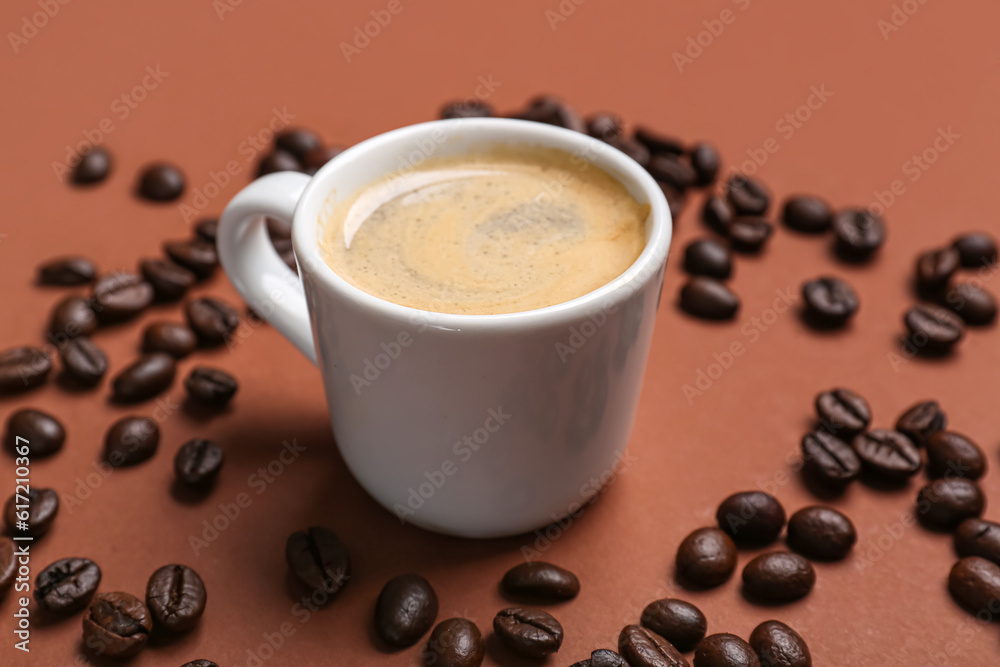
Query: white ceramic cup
[(470, 425)]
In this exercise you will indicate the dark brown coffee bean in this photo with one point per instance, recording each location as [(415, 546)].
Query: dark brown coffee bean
[(706, 162), (807, 214), (550, 110), (945, 503), (23, 368), (196, 255), (778, 575), (32, 513), (173, 338), (751, 518), (297, 141), (858, 232), (278, 229), (471, 108), (131, 440), (176, 598), (978, 537), (829, 459), (922, 421), (676, 200), (829, 302), (116, 625), (39, 431), (821, 533), (540, 581), (94, 166), (951, 454), (72, 317), (843, 412), (672, 170), (708, 298), (604, 126), (637, 152), (67, 585), (708, 257), (213, 320), (679, 622), (83, 361), (717, 215), (747, 195), (642, 648), (706, 558), (974, 582), (724, 650), (169, 281), (657, 142), (67, 271), (148, 376), (935, 268), (976, 249), (8, 563), (200, 663), (749, 234), (210, 387), (932, 329), (198, 462), (120, 296), (602, 657), (207, 229), (405, 610), (455, 642), (888, 454), (318, 157), (777, 645), (277, 160), (972, 303), (527, 631), (318, 560), (161, 182)]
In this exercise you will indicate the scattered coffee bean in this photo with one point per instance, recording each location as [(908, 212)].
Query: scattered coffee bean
[(673, 170), (72, 317), (175, 597), (538, 580), (843, 412), (657, 142), (200, 663), (634, 150), (42, 507), (116, 625), (471, 108), (455, 642), (131, 440), (749, 234), (318, 157), (8, 563), (976, 250), (829, 302), (724, 650), (161, 182), (777, 645), (169, 281), (67, 585), (173, 338), (978, 537), (550, 110), (602, 657), (604, 126), (829, 459), (405, 610), (83, 361), (23, 368), (527, 631), (708, 298), (67, 271), (198, 462), (717, 215), (196, 255), (932, 329), (951, 454), (213, 320), (858, 232), (821, 533), (706, 558), (972, 303), (945, 503), (708, 257), (642, 648), (298, 142), (40, 432), (120, 296), (922, 421), (148, 376), (778, 575), (935, 268), (277, 160), (974, 582), (807, 214), (676, 200), (210, 387), (207, 229), (747, 195), (318, 560), (94, 166), (887, 454), (706, 162), (751, 518), (679, 622)]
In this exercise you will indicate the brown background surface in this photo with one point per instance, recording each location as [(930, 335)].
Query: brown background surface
[(886, 605)]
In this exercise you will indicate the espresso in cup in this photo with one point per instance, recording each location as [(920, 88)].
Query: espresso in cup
[(501, 230)]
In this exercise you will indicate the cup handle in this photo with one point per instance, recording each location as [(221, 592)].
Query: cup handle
[(272, 289)]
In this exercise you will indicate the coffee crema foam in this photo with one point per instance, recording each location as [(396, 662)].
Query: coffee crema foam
[(504, 230)]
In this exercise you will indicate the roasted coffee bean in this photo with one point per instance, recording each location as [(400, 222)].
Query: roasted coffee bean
[(278, 229), (724, 650), (945, 503), (858, 232), (778, 575), (196, 255), (932, 329), (604, 126), (116, 625), (888, 454), (83, 360), (405, 610), (198, 462), (843, 412), (676, 200), (42, 507), (67, 271), (39, 431), (821, 533), (976, 250), (749, 234), (709, 299), (935, 268), (277, 160), (175, 597), (455, 642), (751, 517), (706, 558), (210, 387), (148, 376), (642, 648), (706, 162), (657, 142), (471, 108), (602, 657), (173, 338), (829, 459), (318, 157), (213, 320), (207, 229), (974, 582), (67, 585), (131, 440), (972, 303), (297, 141), (94, 166), (23, 368), (527, 631), (829, 302), (922, 421), (679, 622), (120, 296), (72, 317), (550, 110), (318, 560), (538, 580), (634, 150), (807, 214), (978, 537), (200, 663), (8, 563), (747, 195), (169, 281), (717, 215), (777, 645), (708, 257), (673, 170), (951, 454), (161, 182)]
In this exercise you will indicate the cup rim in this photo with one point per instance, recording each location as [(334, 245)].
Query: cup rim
[(305, 239)]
